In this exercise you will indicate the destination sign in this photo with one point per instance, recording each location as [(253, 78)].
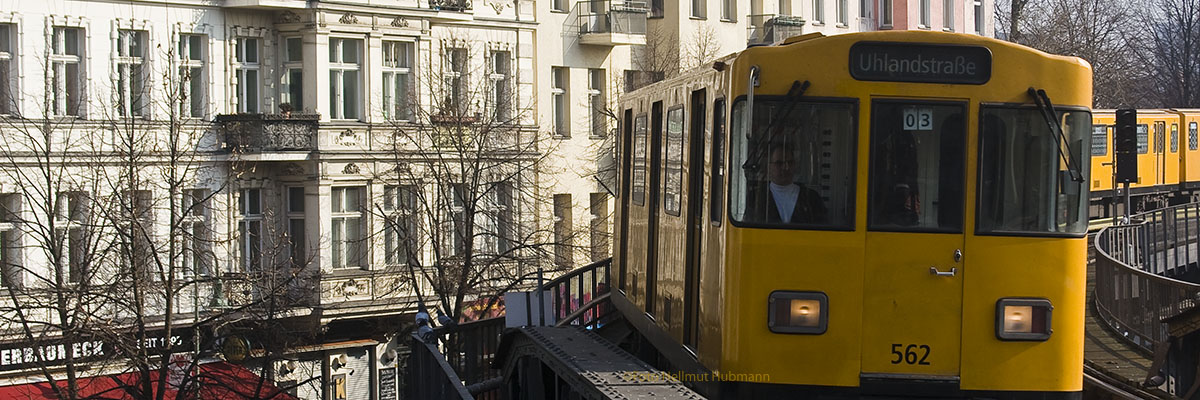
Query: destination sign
[(917, 62)]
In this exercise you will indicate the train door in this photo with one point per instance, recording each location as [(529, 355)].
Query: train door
[(912, 305), (695, 215)]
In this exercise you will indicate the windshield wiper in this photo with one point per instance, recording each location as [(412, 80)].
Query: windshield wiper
[(1047, 110), (793, 96)]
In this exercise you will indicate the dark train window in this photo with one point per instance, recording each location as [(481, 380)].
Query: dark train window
[(1099, 140), (716, 196), (1024, 187), (918, 154), (795, 166), (1174, 138), (639, 160), (1143, 139), (1192, 136), (673, 184)]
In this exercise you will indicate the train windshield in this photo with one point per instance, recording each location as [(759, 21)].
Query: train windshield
[(794, 165), (1024, 184)]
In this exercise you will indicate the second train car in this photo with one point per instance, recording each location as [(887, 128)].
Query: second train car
[(896, 214)]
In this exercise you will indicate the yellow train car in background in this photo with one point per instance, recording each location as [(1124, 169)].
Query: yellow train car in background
[(897, 214), (1168, 160)]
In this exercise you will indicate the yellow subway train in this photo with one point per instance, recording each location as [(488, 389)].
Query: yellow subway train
[(1168, 159), (869, 215)]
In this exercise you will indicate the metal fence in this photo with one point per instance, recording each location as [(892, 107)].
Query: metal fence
[(1133, 290), (430, 376), (604, 16), (576, 291)]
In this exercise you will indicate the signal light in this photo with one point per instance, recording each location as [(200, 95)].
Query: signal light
[(1023, 319), (797, 312)]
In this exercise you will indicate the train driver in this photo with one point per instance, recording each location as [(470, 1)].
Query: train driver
[(788, 201)]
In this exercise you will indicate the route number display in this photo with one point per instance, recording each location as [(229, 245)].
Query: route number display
[(918, 119)]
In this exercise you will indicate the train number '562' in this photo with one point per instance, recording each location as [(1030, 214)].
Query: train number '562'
[(913, 354)]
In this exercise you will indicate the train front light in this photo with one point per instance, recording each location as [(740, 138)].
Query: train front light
[(1023, 319), (797, 312)]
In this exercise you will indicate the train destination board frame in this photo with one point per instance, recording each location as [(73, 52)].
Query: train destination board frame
[(920, 63)]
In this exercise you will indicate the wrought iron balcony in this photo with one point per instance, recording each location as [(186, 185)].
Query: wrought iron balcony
[(450, 5), (765, 29), (605, 23), (256, 133), (266, 4)]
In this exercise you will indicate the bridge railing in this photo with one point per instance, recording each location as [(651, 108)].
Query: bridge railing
[(1132, 289), (576, 290)]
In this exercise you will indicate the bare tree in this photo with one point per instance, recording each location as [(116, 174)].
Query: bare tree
[(463, 205), (702, 47), (1172, 52)]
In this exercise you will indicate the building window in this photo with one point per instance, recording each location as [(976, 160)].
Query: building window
[(197, 252), (297, 239), (979, 23), (699, 9), (599, 224), (885, 13), (192, 102), (558, 5), (400, 232), (11, 259), (344, 64), (131, 73), (397, 79), (501, 79), (864, 8), (924, 14), (503, 208), (598, 103), (948, 15), (456, 220), (455, 79), (293, 69), (139, 233), (562, 230), (250, 229), (843, 15), (71, 213), (818, 11), (8, 69), (246, 69), (347, 227), (67, 73), (559, 89), (729, 10), (656, 9)]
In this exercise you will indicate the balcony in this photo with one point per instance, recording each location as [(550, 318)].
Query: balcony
[(604, 23), (765, 29), (263, 133)]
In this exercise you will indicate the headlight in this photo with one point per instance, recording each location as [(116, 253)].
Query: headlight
[(1023, 319), (797, 312)]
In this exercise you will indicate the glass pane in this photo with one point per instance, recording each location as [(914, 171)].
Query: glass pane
[(404, 54), (251, 50), (354, 242), (136, 47), (402, 110), (253, 201), (338, 242), (296, 199), (639, 161), (673, 184), (350, 98), (350, 51), (296, 88), (74, 97), (1143, 138), (196, 79), (1024, 185), (195, 47), (353, 200), (334, 81), (295, 51), (252, 91), (338, 197), (1099, 140), (72, 41), (795, 165), (917, 161), (5, 44)]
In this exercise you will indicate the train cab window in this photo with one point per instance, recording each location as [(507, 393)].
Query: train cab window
[(794, 166), (1143, 139), (1099, 140), (918, 152), (1024, 185), (639, 160), (717, 174)]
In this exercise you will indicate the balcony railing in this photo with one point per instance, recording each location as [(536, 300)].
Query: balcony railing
[(269, 132), (764, 29), (450, 5), (603, 22)]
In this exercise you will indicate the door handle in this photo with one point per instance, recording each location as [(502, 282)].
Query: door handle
[(934, 271)]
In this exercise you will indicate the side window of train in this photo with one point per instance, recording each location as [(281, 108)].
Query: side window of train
[(673, 182), (1099, 140), (793, 163), (1143, 141), (1159, 128), (1174, 138), (716, 197), (639, 160), (1192, 140)]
